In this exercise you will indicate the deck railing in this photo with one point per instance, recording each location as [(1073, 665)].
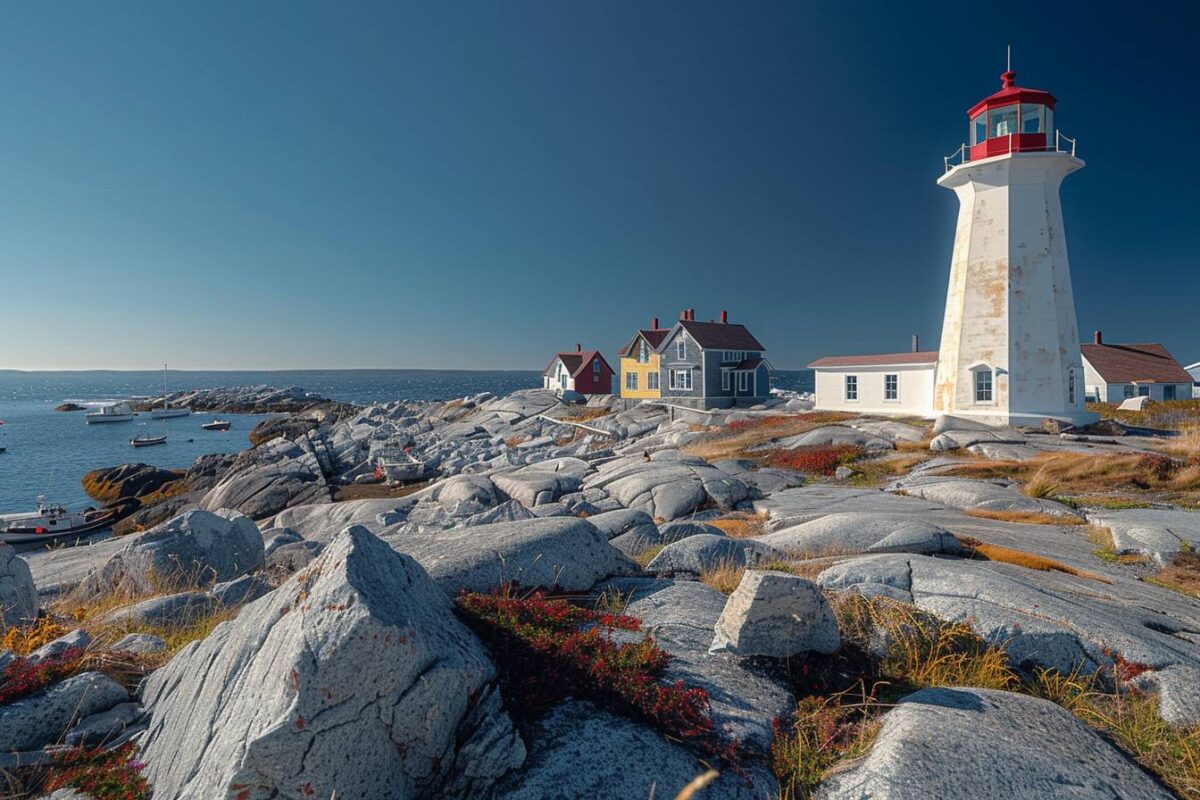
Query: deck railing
[(1062, 144)]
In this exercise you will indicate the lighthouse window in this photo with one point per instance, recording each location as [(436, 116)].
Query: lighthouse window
[(983, 386), (1031, 118), (979, 127), (1002, 121)]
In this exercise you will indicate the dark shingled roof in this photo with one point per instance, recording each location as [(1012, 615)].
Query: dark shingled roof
[(1134, 363), (749, 363), (721, 335), (575, 361), (653, 336), (880, 360)]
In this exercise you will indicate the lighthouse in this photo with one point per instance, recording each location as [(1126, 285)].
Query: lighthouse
[(1010, 342)]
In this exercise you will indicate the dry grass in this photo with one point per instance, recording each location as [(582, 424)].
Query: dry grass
[(22, 640), (1106, 548), (872, 471), (735, 440), (586, 413), (724, 576), (741, 525), (1181, 575), (822, 733), (644, 557), (1023, 517), (371, 491), (1020, 558), (1169, 415)]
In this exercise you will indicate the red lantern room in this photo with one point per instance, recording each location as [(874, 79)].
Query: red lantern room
[(1013, 120)]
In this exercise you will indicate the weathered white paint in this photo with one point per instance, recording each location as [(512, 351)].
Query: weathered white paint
[(915, 389), (559, 377), (1009, 306)]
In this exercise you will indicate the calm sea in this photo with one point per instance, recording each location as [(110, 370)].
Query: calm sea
[(48, 452)]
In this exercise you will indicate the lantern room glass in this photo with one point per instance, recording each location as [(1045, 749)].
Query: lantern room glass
[(1002, 121), (1031, 118), (979, 128)]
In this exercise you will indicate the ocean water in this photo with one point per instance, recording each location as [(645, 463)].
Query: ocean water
[(49, 452)]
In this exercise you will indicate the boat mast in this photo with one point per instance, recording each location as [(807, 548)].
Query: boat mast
[(164, 387)]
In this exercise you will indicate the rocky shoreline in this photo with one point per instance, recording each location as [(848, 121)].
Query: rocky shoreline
[(766, 552)]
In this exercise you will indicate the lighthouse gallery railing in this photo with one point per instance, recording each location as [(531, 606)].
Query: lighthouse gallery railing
[(1062, 144)]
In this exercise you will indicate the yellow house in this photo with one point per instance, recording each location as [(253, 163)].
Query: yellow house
[(639, 376)]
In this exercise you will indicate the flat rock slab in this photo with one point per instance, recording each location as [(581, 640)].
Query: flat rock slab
[(669, 486), (682, 615), (61, 569), (831, 435), (579, 750), (1158, 533), (567, 552), (860, 532), (795, 506), (322, 521), (973, 495), (891, 430), (699, 553), (970, 744), (1042, 618)]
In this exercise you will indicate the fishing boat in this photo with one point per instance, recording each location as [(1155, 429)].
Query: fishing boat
[(113, 412), (217, 425), (165, 412), (51, 522), (397, 465), (148, 441)]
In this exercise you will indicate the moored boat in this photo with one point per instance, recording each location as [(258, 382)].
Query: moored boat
[(51, 522), (217, 425), (113, 412), (166, 412), (147, 441)]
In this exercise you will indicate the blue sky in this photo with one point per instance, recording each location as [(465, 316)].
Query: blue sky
[(230, 185)]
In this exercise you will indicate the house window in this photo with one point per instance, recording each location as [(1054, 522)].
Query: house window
[(852, 388), (1169, 391), (643, 352), (681, 380), (631, 381), (1071, 386), (681, 347), (652, 381), (1127, 391), (743, 381), (983, 386), (596, 366), (891, 387), (1143, 391), (725, 380)]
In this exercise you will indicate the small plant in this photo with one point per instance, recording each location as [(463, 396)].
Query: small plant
[(24, 639), (101, 774), (817, 459), (1041, 486), (23, 677), (724, 576), (547, 649), (822, 732), (644, 557)]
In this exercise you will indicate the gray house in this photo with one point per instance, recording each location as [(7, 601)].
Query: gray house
[(712, 364)]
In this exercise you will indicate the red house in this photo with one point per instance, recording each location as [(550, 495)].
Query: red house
[(583, 371)]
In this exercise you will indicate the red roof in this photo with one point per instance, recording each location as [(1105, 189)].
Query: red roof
[(1134, 363), (1011, 93), (881, 360), (575, 361)]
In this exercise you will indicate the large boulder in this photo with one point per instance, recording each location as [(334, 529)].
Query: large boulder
[(288, 427), (269, 478), (834, 435), (542, 482), (195, 549), (698, 554), (353, 677), (320, 521), (566, 552), (973, 495), (44, 717), (795, 506), (113, 484), (18, 595), (967, 744), (777, 615), (669, 486), (863, 532)]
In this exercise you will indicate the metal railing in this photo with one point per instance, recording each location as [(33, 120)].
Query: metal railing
[(963, 154)]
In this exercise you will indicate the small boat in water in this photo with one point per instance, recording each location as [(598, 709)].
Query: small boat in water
[(217, 425), (52, 522), (113, 412), (147, 441), (165, 412)]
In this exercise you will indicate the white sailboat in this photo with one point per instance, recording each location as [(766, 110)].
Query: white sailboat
[(165, 412)]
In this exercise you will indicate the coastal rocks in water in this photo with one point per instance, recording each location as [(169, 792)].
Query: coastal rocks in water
[(575, 747), (566, 552), (113, 484), (18, 595), (42, 718), (353, 677), (270, 478), (669, 486), (778, 615), (973, 495), (694, 555), (860, 532), (286, 427), (195, 549), (70, 407), (1016, 746), (242, 400)]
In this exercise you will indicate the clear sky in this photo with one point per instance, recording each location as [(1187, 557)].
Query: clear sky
[(454, 184)]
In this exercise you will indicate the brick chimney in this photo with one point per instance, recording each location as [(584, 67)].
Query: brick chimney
[(1099, 337), (578, 347), (692, 314), (916, 343), (654, 323), (724, 317)]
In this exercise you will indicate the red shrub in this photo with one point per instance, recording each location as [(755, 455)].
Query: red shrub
[(816, 459), (759, 422), (23, 677), (547, 650), (1162, 468), (102, 774)]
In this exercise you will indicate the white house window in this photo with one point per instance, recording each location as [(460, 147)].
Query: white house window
[(983, 386), (680, 348), (652, 381), (743, 383), (891, 387), (1071, 386), (851, 388), (1128, 390), (725, 380), (643, 352), (681, 379), (631, 381)]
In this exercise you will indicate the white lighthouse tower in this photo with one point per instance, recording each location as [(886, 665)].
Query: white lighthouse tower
[(1010, 342)]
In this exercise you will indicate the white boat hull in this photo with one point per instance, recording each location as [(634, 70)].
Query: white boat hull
[(168, 413), (93, 419)]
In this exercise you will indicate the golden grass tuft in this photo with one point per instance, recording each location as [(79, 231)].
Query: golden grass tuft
[(1023, 517), (22, 640), (735, 441), (1020, 558), (821, 733), (724, 576), (1181, 575), (644, 557), (741, 525)]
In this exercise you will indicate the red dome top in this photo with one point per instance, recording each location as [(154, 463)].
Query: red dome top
[(1011, 93)]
